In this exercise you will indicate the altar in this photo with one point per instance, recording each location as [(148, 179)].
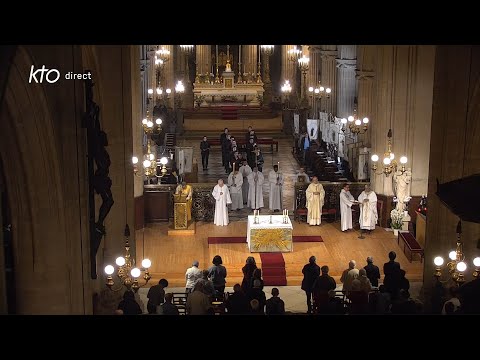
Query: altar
[(266, 236)]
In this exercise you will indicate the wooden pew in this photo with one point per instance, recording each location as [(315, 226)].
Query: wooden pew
[(411, 243)]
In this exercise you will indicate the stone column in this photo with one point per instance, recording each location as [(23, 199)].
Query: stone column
[(169, 73), (288, 67), (313, 77), (365, 75), (203, 57), (329, 77), (346, 63), (250, 60)]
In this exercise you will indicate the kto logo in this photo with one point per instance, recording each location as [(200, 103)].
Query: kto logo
[(51, 75)]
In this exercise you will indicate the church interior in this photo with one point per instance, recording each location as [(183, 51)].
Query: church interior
[(121, 165)]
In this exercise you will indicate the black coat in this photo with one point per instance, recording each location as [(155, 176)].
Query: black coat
[(373, 274), (310, 273)]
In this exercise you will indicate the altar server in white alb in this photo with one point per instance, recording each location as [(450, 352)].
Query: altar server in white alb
[(222, 196), (315, 198), (255, 191), (235, 182), (245, 170), (346, 202), (368, 209), (275, 178)]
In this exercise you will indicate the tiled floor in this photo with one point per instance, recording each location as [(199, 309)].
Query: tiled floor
[(288, 167)]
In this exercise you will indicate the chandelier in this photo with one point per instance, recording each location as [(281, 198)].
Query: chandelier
[(294, 54), (149, 127), (456, 266), (286, 90), (127, 272), (355, 124), (389, 163), (317, 93), (149, 164)]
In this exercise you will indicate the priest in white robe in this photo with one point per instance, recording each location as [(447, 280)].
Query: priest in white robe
[(222, 199), (315, 198), (275, 178), (346, 202), (368, 209), (235, 182), (245, 170), (255, 191)]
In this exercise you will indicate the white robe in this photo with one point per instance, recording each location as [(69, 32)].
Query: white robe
[(314, 203), (258, 191), (346, 202), (245, 170), (236, 191), (222, 200), (276, 194), (368, 210)]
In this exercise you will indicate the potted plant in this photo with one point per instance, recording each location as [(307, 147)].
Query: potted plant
[(397, 220)]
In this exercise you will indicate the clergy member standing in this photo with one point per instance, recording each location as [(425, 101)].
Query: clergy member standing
[(222, 196), (255, 191), (346, 202), (315, 199), (275, 179), (186, 190), (235, 182), (245, 170), (368, 209)]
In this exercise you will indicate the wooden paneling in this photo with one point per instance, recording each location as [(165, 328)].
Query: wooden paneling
[(139, 212), (172, 255), (157, 206)]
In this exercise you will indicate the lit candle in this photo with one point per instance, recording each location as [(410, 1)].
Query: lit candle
[(278, 165), (216, 55)]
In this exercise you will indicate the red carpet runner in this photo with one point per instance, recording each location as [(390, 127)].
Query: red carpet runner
[(273, 269), (242, 240)]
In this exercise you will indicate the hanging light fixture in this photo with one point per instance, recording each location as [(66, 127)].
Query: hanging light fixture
[(355, 125), (127, 272), (389, 163), (457, 265), (149, 126), (149, 164)]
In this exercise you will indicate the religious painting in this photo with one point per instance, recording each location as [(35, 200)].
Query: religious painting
[(228, 83), (341, 145), (184, 156), (363, 166), (296, 123), (312, 128)]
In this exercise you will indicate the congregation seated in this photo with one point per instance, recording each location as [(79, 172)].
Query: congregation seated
[(258, 294), (255, 308), (358, 298), (275, 305), (198, 303), (404, 304), (237, 303), (321, 290), (128, 305), (167, 307)]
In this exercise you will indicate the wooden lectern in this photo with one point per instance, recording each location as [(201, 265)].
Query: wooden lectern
[(180, 220)]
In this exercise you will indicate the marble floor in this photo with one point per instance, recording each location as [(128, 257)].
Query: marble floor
[(287, 164)]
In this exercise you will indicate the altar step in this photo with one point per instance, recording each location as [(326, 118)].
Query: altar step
[(229, 112), (273, 269)]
